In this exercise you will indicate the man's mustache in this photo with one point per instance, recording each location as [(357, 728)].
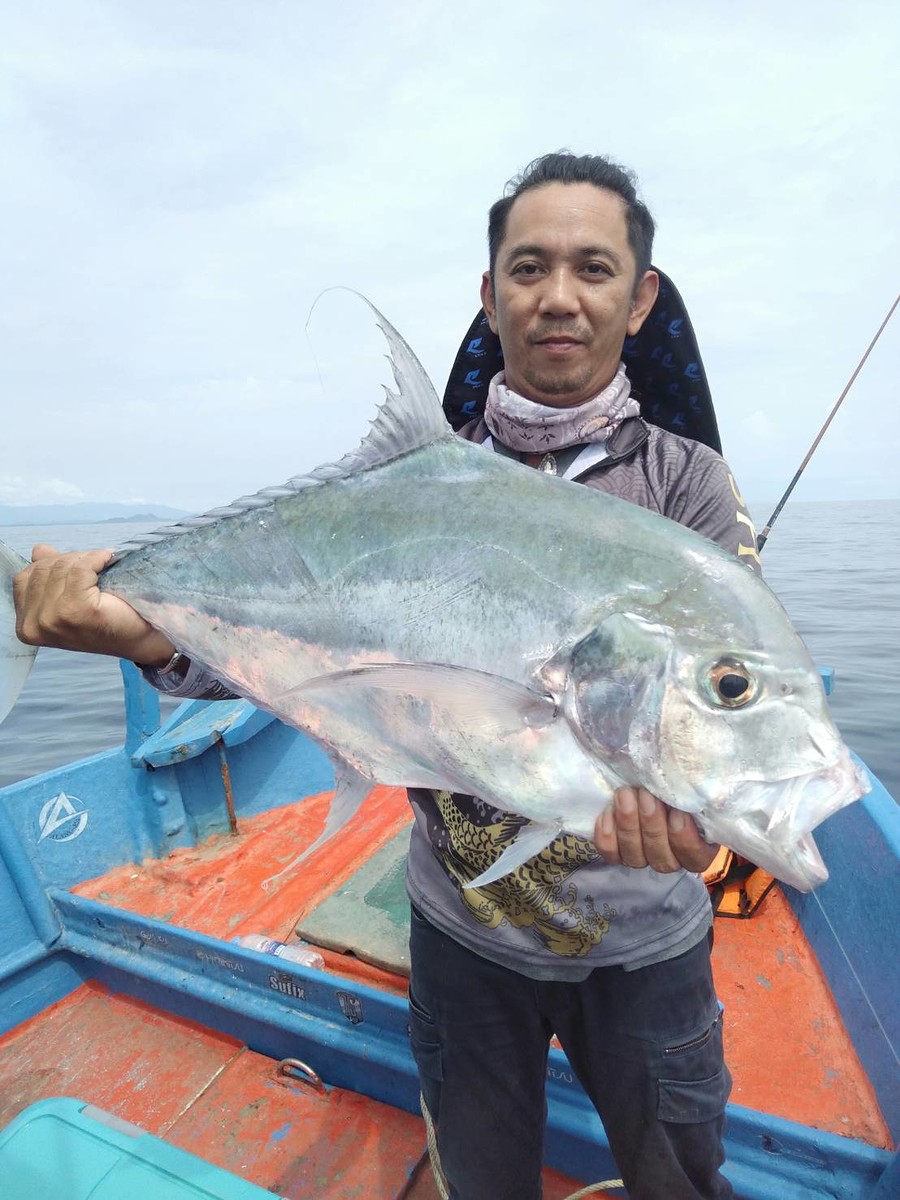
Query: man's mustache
[(543, 332)]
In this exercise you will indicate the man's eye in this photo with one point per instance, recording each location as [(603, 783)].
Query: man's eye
[(597, 269), (526, 269)]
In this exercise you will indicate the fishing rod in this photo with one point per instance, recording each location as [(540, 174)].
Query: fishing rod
[(767, 529)]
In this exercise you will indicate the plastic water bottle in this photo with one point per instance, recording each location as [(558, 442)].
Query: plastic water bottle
[(296, 952)]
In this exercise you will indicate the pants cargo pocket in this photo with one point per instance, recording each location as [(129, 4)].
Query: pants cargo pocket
[(690, 1102), (424, 1041), (695, 1083), (426, 1050)]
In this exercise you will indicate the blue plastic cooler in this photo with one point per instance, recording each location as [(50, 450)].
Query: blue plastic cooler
[(65, 1149)]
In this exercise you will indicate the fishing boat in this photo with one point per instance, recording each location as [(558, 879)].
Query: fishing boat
[(144, 1052), (140, 1043)]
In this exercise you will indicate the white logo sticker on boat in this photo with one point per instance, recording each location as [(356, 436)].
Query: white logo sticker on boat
[(281, 982), (63, 818)]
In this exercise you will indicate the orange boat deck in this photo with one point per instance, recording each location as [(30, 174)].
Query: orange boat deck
[(208, 1094), (786, 1044)]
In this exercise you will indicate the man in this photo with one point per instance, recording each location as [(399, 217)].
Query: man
[(615, 962), (611, 953)]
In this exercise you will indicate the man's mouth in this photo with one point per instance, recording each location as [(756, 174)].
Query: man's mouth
[(558, 345)]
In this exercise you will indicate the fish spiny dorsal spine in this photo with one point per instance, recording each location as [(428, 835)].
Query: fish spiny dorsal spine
[(408, 419)]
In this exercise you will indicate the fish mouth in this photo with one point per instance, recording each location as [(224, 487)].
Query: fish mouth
[(771, 823), (802, 868), (799, 864)]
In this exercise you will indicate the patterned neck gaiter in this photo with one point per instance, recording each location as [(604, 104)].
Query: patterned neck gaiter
[(529, 427)]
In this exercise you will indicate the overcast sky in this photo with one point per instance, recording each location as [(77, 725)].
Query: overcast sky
[(182, 179)]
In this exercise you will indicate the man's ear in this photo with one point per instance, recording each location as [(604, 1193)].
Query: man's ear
[(487, 300), (644, 298)]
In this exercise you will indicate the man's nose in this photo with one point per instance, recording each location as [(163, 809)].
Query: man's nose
[(559, 295)]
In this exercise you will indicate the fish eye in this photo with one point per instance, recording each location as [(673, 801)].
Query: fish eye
[(732, 684)]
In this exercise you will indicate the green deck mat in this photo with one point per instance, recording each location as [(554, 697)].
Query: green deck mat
[(369, 915)]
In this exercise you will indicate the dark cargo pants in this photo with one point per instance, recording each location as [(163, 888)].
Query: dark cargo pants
[(646, 1046)]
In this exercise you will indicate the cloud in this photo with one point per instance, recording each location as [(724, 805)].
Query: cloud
[(183, 181), (758, 426), (21, 489)]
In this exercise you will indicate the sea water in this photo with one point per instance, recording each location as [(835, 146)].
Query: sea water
[(835, 567)]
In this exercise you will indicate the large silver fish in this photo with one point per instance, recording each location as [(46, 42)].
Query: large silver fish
[(441, 617)]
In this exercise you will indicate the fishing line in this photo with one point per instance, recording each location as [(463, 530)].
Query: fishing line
[(767, 529), (859, 982), (336, 287), (309, 342)]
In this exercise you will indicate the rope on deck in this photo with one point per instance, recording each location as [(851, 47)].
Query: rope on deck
[(439, 1178), (593, 1189), (441, 1182)]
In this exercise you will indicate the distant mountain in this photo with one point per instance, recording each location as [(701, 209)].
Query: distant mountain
[(85, 513), (141, 516)]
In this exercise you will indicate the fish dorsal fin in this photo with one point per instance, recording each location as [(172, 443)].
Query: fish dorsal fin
[(409, 418)]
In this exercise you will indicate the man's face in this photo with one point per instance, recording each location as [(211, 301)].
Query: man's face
[(564, 298)]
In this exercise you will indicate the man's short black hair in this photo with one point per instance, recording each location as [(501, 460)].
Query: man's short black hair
[(563, 167)]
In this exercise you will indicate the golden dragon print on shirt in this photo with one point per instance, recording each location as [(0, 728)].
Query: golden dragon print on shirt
[(538, 894)]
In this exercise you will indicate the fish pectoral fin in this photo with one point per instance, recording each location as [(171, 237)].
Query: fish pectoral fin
[(532, 839), (351, 789), (476, 700)]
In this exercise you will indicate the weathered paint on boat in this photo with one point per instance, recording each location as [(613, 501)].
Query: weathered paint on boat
[(73, 946)]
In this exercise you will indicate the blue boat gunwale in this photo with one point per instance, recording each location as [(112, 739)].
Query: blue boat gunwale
[(68, 940)]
